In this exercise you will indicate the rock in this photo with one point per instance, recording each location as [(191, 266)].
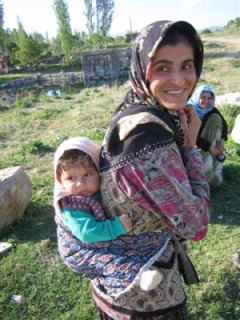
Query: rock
[(228, 98), (235, 134), (7, 98), (16, 298), (5, 246), (15, 192)]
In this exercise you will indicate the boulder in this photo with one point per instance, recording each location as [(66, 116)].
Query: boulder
[(228, 98), (15, 192), (235, 134)]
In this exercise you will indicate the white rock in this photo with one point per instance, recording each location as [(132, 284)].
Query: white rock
[(235, 134), (16, 298), (15, 192), (228, 98), (5, 246)]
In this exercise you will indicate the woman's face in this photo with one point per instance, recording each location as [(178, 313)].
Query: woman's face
[(173, 75), (205, 99)]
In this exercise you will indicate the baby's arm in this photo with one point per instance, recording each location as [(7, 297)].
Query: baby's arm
[(86, 228)]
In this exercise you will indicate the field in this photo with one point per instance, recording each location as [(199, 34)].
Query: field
[(32, 128)]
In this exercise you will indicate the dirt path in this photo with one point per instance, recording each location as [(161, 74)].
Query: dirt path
[(235, 41), (234, 52)]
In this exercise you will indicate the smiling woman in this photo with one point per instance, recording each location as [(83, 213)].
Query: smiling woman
[(151, 170)]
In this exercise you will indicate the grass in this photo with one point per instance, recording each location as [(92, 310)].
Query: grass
[(32, 269)]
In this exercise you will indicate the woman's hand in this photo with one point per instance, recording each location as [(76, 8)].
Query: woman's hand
[(126, 221), (214, 151), (220, 145), (191, 124)]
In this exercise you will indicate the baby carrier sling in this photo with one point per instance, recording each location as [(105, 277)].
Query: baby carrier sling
[(117, 152)]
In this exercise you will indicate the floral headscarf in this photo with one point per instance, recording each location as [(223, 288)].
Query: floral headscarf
[(144, 49), (194, 100)]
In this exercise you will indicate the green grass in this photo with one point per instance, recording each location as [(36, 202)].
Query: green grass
[(29, 136)]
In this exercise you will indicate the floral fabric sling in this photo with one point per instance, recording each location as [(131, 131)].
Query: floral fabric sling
[(169, 295)]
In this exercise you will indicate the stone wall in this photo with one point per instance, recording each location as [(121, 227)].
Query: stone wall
[(102, 65)]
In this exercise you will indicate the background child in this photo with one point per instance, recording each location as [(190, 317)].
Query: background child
[(77, 204)]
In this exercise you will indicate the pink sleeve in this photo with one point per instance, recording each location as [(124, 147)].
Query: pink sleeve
[(177, 194)]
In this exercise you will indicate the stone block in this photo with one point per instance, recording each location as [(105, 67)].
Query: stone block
[(15, 192)]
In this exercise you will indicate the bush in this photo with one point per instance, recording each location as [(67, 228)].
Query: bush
[(230, 113)]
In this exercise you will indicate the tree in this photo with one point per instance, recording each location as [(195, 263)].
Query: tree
[(103, 13), (104, 16), (1, 15), (206, 31), (29, 46), (90, 12), (64, 29), (2, 34)]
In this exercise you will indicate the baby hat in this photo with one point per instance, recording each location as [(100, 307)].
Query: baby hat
[(80, 143)]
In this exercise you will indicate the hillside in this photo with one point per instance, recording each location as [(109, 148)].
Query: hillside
[(231, 29)]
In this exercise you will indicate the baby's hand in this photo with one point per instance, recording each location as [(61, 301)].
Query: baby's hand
[(126, 221)]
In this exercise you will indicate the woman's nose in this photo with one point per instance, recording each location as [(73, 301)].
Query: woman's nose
[(177, 78)]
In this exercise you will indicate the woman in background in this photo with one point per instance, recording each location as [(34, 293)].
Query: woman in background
[(212, 134)]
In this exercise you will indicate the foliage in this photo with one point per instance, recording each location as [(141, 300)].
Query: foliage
[(206, 31), (89, 13), (24, 49), (64, 27), (104, 16), (234, 22), (1, 15), (231, 29), (99, 27), (130, 36), (230, 113), (32, 147)]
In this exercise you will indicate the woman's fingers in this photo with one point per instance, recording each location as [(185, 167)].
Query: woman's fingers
[(190, 124)]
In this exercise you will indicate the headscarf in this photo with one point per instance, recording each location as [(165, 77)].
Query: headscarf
[(194, 100), (145, 48), (80, 143)]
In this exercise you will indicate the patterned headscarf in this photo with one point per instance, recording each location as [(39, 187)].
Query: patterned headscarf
[(145, 48), (194, 100)]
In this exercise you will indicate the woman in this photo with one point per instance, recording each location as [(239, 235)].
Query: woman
[(150, 169), (212, 134)]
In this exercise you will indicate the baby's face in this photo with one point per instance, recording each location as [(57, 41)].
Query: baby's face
[(82, 179)]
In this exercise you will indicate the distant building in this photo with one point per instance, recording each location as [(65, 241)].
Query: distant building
[(102, 66)]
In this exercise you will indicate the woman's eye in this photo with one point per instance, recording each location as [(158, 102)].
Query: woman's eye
[(162, 69), (188, 66)]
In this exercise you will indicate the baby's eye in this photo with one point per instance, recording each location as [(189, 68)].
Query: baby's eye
[(89, 174)]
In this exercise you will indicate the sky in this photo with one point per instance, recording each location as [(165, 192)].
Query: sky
[(129, 15)]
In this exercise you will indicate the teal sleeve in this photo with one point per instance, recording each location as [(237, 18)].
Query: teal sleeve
[(87, 229)]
